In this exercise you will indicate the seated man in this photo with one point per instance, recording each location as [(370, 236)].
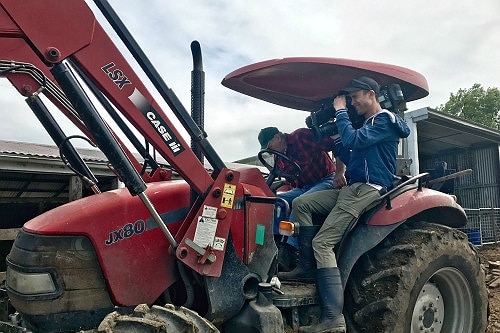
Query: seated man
[(318, 173), (370, 154)]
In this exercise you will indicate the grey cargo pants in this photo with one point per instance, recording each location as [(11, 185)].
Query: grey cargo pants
[(341, 207)]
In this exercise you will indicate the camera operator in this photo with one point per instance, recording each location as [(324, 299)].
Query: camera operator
[(369, 153)]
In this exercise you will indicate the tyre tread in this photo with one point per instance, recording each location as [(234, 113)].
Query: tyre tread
[(379, 287)]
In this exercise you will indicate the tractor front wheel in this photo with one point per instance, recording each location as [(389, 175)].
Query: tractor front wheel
[(168, 319)]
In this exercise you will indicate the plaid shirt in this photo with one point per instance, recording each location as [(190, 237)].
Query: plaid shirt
[(311, 156)]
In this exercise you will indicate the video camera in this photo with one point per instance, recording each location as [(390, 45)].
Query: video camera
[(322, 121), (391, 98)]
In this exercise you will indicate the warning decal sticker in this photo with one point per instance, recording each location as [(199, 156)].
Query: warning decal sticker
[(219, 243), (209, 211), (205, 231), (228, 196)]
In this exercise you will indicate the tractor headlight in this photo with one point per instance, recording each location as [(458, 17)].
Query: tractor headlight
[(33, 283)]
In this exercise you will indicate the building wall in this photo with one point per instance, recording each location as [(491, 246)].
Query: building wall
[(480, 189)]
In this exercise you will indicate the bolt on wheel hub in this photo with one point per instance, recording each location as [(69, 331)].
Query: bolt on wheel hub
[(428, 313)]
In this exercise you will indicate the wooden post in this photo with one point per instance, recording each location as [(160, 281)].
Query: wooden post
[(493, 223), (75, 188)]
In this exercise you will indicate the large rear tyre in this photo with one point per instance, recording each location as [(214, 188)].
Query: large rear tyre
[(423, 278)]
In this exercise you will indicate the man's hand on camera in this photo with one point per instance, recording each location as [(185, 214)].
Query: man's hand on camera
[(339, 103)]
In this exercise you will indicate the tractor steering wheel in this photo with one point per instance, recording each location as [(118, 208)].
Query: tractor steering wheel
[(274, 171)]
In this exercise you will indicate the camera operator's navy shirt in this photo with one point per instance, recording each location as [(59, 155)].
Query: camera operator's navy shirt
[(370, 151)]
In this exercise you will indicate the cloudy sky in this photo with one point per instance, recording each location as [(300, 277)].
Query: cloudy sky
[(453, 43)]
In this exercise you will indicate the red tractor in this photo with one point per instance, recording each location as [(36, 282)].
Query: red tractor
[(197, 254)]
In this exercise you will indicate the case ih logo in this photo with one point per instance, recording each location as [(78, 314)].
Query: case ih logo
[(116, 75), (157, 122)]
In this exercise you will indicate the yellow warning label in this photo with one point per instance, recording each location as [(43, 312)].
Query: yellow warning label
[(228, 196)]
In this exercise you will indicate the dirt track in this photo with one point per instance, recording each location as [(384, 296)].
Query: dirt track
[(491, 253)]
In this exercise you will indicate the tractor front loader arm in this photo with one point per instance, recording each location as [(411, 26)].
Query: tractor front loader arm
[(49, 39)]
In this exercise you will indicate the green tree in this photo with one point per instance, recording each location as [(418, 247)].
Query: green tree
[(476, 105)]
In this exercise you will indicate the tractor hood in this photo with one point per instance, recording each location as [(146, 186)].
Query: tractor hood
[(304, 83)]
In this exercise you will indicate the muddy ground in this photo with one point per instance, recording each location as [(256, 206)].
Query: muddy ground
[(491, 253)]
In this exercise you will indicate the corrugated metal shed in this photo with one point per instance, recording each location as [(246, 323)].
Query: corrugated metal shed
[(463, 145), (34, 173), (31, 170)]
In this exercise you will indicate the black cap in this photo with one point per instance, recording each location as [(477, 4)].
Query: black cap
[(265, 135), (362, 83)]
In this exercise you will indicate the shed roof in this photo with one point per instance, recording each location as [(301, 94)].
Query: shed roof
[(14, 148), (441, 133)]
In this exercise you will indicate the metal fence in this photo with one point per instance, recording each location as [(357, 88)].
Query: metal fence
[(483, 226)]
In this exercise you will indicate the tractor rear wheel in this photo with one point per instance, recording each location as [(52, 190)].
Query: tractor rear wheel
[(423, 278)]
